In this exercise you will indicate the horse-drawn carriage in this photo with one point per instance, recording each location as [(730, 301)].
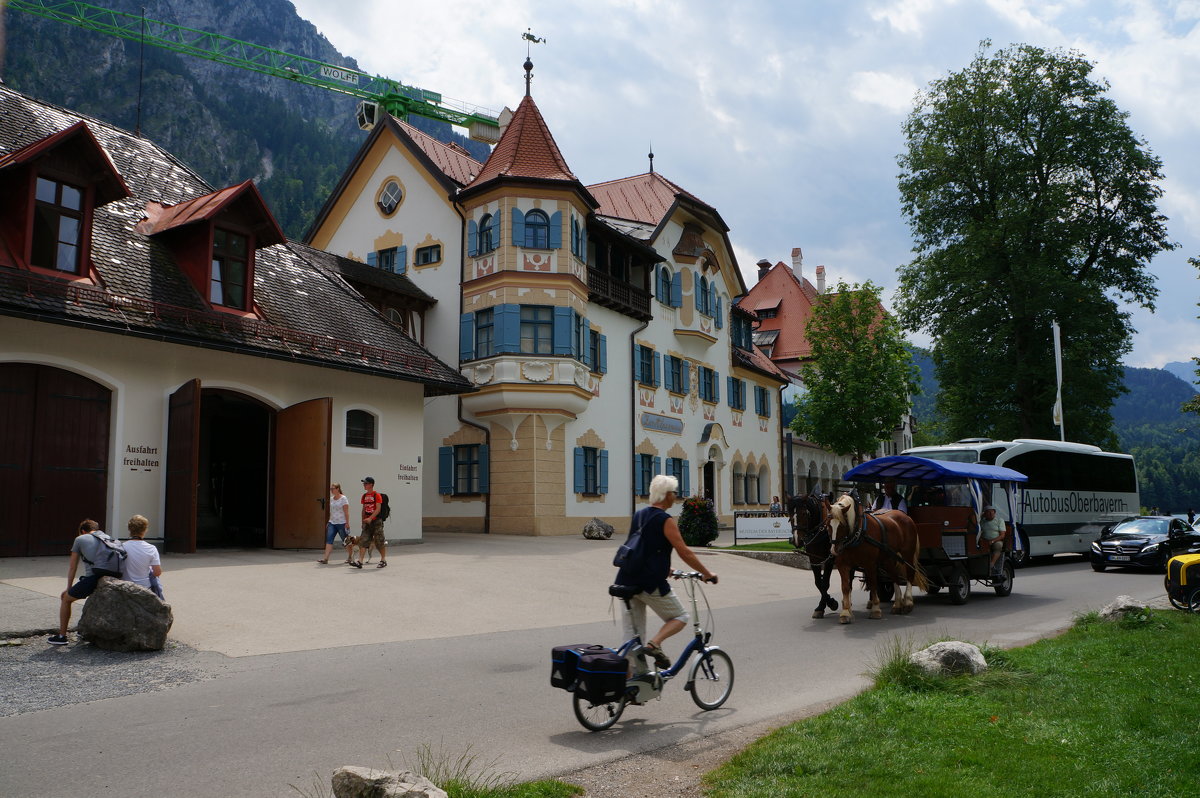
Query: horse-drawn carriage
[(935, 545), (946, 504)]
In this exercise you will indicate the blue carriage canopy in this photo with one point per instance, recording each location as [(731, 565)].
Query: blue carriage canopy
[(907, 469)]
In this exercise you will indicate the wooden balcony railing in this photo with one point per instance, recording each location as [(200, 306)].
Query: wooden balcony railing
[(618, 295)]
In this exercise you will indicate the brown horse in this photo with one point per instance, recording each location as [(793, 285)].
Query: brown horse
[(810, 534), (877, 542)]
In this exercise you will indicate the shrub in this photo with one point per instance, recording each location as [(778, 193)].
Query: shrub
[(698, 522)]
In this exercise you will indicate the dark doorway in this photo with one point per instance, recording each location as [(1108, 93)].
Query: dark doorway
[(233, 485), (710, 480), (53, 457)]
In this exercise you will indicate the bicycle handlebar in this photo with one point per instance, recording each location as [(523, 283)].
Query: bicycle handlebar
[(677, 574)]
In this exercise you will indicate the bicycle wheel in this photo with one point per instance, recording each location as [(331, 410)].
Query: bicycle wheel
[(711, 678), (597, 717)]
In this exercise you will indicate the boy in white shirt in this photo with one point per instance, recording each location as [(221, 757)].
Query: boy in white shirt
[(143, 560)]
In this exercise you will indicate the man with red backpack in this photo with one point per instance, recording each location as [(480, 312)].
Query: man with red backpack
[(372, 524)]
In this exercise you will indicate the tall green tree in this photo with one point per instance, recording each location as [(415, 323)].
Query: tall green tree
[(861, 376), (1029, 200)]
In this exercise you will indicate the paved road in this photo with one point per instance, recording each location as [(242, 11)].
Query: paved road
[(270, 720)]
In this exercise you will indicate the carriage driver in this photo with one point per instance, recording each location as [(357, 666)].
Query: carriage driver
[(992, 531)]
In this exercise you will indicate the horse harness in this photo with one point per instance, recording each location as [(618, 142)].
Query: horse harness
[(815, 533), (859, 535)]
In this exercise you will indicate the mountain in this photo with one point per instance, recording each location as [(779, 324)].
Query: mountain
[(226, 123), (1184, 371), (1164, 441)]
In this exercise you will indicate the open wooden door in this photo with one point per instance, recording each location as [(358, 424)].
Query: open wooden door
[(302, 437), (183, 467)]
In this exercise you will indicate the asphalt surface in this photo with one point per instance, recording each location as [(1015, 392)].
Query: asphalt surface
[(280, 668)]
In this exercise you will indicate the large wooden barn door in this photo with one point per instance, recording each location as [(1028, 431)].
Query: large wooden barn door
[(183, 467), (301, 464), (53, 457)]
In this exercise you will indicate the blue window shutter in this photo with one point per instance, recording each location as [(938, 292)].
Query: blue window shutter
[(657, 369), (518, 224), (586, 355), (698, 295), (677, 290), (485, 469), (685, 372), (583, 241), (445, 470), (716, 397), (466, 336), (657, 469), (472, 238), (687, 488), (373, 260), (602, 467), (556, 230), (507, 331), (670, 468), (402, 260), (767, 403), (564, 329), (496, 229), (603, 354), (637, 475), (579, 469), (729, 389), (720, 313), (637, 363)]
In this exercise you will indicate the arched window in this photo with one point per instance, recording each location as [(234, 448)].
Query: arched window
[(537, 230), (663, 289), (360, 429), (764, 485), (487, 234), (702, 297)]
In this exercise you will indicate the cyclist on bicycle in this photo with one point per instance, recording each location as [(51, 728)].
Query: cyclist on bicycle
[(660, 535)]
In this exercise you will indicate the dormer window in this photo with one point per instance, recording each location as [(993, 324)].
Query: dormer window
[(57, 226), (231, 255)]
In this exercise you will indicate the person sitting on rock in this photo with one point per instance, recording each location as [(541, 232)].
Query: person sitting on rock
[(142, 566), (88, 544)]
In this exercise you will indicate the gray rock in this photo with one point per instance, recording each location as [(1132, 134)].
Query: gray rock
[(597, 530), (950, 657), (1120, 607), (122, 616), (355, 782)]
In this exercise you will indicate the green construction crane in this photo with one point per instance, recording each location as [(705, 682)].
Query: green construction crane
[(374, 92)]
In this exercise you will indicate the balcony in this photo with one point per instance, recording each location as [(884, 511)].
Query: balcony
[(620, 296)]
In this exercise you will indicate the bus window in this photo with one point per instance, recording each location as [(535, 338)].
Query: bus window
[(990, 454)]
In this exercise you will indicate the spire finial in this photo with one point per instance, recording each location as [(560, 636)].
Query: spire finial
[(530, 40), (652, 157)]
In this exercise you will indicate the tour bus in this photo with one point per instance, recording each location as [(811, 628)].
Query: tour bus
[(1074, 491)]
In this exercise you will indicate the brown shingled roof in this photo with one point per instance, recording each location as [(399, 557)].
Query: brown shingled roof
[(453, 161), (643, 198), (160, 218), (526, 149), (794, 296)]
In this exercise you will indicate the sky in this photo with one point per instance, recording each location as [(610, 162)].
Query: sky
[(786, 115)]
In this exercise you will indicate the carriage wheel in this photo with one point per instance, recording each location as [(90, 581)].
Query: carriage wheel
[(1176, 597), (1194, 601), (886, 589), (1004, 586), (960, 585)]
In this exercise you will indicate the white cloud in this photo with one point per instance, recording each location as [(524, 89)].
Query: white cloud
[(892, 92)]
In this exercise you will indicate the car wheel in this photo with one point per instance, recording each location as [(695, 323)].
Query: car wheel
[(1098, 566)]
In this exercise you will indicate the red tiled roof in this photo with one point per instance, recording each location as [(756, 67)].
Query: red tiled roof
[(454, 162), (160, 218), (642, 198), (526, 149), (795, 297)]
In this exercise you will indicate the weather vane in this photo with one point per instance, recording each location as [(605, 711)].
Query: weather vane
[(530, 41)]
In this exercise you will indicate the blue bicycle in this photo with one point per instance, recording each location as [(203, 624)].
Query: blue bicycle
[(709, 679)]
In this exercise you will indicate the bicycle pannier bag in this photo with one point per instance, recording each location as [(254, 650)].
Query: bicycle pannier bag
[(564, 664), (602, 676)]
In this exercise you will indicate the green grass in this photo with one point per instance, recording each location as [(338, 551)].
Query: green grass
[(1108, 709), (765, 545)]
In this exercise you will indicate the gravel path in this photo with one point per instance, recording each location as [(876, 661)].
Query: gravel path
[(35, 675)]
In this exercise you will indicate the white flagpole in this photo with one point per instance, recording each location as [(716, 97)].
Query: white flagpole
[(1058, 408)]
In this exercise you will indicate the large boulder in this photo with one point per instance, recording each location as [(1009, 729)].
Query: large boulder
[(597, 530), (1122, 606), (122, 616), (355, 782), (951, 657)]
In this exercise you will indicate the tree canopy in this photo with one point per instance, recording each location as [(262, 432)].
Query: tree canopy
[(861, 374), (1029, 199)]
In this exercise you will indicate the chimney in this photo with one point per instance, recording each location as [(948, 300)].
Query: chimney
[(820, 279), (764, 266), (798, 263)]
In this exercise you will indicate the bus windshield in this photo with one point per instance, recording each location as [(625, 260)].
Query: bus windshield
[(953, 455)]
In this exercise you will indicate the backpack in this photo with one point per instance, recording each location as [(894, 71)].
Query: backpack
[(385, 509), (110, 555), (633, 556)]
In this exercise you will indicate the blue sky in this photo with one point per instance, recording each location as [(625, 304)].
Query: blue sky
[(786, 116)]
